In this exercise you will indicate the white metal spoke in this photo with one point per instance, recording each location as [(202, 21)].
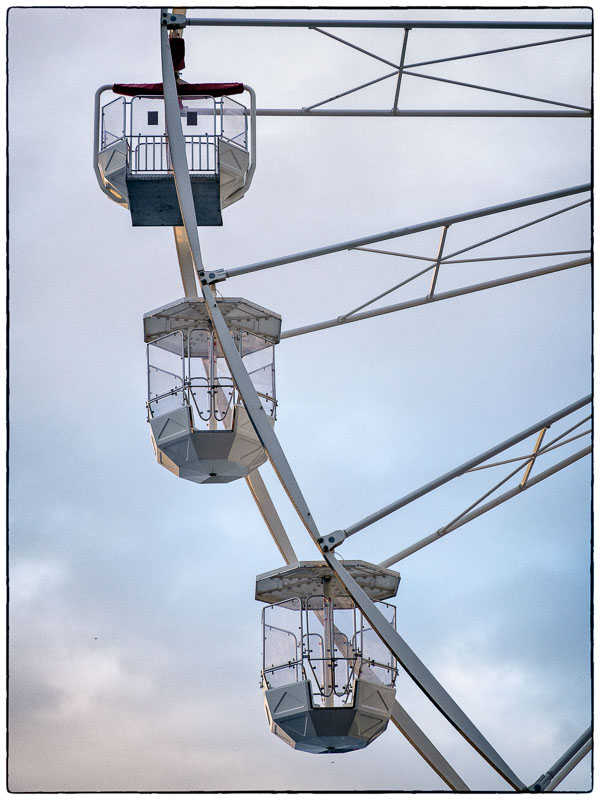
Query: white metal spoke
[(426, 749), (186, 263), (355, 47), (515, 492), (475, 113), (518, 228), (351, 91), (436, 263), (495, 91), (390, 24), (423, 113), (477, 287), (544, 781), (455, 473), (541, 452), (269, 514), (474, 260), (406, 231), (560, 776), (234, 361), (496, 50)]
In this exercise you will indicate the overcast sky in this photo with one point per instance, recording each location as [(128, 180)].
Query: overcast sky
[(135, 637)]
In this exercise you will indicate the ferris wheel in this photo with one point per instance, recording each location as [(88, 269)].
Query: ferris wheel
[(177, 154)]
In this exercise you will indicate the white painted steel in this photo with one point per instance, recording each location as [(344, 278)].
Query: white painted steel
[(179, 163), (263, 500), (497, 91), (421, 301), (423, 226), (496, 50), (426, 749), (186, 263), (385, 112), (238, 371), (422, 676), (560, 776), (473, 462), (387, 23), (515, 492), (572, 754)]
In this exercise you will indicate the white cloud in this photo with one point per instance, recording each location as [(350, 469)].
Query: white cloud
[(29, 578)]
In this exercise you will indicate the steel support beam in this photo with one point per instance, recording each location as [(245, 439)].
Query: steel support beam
[(515, 492), (457, 471), (496, 91), (426, 749), (186, 263), (252, 402), (262, 498), (544, 780), (422, 676), (438, 260), (350, 244), (389, 23), (448, 112), (496, 50), (560, 776), (423, 301)]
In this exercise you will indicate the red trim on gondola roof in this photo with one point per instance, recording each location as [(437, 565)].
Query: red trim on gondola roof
[(210, 89)]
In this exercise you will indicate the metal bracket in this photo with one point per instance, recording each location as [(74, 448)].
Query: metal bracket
[(174, 22), (208, 277), (327, 543)]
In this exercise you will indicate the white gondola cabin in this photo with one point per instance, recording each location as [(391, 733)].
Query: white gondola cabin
[(132, 159), (200, 428), (328, 680)]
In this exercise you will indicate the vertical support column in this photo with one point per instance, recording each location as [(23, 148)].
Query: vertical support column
[(328, 645)]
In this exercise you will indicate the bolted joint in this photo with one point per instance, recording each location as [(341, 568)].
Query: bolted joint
[(209, 276), (541, 783), (332, 540), (174, 21)]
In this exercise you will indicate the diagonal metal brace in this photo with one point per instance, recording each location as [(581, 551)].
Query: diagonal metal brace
[(422, 676)]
